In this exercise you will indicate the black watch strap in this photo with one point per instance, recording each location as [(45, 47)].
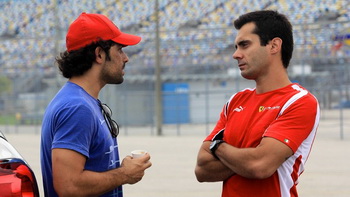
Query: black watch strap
[(214, 146)]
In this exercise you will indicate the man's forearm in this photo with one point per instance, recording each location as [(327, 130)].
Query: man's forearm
[(91, 183), (213, 172), (208, 168)]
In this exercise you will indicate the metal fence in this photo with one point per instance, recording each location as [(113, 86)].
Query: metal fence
[(196, 82)]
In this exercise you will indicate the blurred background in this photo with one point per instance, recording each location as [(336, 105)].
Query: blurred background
[(182, 72), (177, 81)]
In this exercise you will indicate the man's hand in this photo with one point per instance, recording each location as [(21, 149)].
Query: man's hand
[(208, 168), (134, 168)]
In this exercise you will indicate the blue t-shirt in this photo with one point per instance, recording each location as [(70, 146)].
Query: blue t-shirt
[(73, 120)]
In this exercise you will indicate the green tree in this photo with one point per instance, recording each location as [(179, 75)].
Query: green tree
[(5, 85)]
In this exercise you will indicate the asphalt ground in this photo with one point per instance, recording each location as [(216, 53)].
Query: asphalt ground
[(174, 155)]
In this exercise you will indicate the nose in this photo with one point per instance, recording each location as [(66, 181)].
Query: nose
[(126, 58), (236, 54)]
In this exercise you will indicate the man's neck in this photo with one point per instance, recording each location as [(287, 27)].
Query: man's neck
[(272, 82), (91, 86)]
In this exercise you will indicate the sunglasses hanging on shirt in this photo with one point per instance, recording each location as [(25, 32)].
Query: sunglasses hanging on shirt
[(112, 124)]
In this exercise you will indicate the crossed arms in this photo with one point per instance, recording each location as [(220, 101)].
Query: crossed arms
[(257, 163)]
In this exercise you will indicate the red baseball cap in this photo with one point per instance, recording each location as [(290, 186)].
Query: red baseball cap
[(89, 28)]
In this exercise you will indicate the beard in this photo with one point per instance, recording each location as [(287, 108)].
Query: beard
[(110, 77), (114, 79)]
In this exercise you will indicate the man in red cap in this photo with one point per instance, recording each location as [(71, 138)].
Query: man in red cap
[(79, 151)]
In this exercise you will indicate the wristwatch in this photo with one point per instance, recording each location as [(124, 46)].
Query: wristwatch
[(214, 145)]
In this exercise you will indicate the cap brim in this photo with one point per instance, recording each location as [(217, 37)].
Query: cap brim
[(127, 39)]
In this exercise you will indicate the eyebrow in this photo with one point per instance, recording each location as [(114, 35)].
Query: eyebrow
[(242, 42), (120, 45)]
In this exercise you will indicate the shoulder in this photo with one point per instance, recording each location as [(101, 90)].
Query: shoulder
[(243, 93), (237, 98), (301, 101), (63, 106), (300, 93)]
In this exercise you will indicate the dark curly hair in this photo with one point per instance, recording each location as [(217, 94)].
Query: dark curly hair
[(77, 62), (270, 24)]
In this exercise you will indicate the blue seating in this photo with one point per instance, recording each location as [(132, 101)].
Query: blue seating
[(192, 32)]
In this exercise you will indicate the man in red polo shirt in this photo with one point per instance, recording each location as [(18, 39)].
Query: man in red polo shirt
[(264, 135)]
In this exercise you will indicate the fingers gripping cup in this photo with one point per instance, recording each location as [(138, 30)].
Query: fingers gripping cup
[(138, 153)]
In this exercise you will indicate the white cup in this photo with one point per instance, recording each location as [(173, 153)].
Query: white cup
[(138, 153)]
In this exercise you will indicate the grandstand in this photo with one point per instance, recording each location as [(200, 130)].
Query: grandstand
[(196, 44)]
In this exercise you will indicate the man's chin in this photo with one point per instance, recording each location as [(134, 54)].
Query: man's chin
[(119, 81), (247, 76)]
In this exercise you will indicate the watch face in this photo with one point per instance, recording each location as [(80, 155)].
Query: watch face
[(212, 144)]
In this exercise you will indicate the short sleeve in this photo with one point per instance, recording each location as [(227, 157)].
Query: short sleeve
[(220, 125), (295, 124), (74, 129)]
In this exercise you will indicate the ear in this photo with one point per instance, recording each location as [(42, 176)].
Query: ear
[(99, 55), (276, 45)]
